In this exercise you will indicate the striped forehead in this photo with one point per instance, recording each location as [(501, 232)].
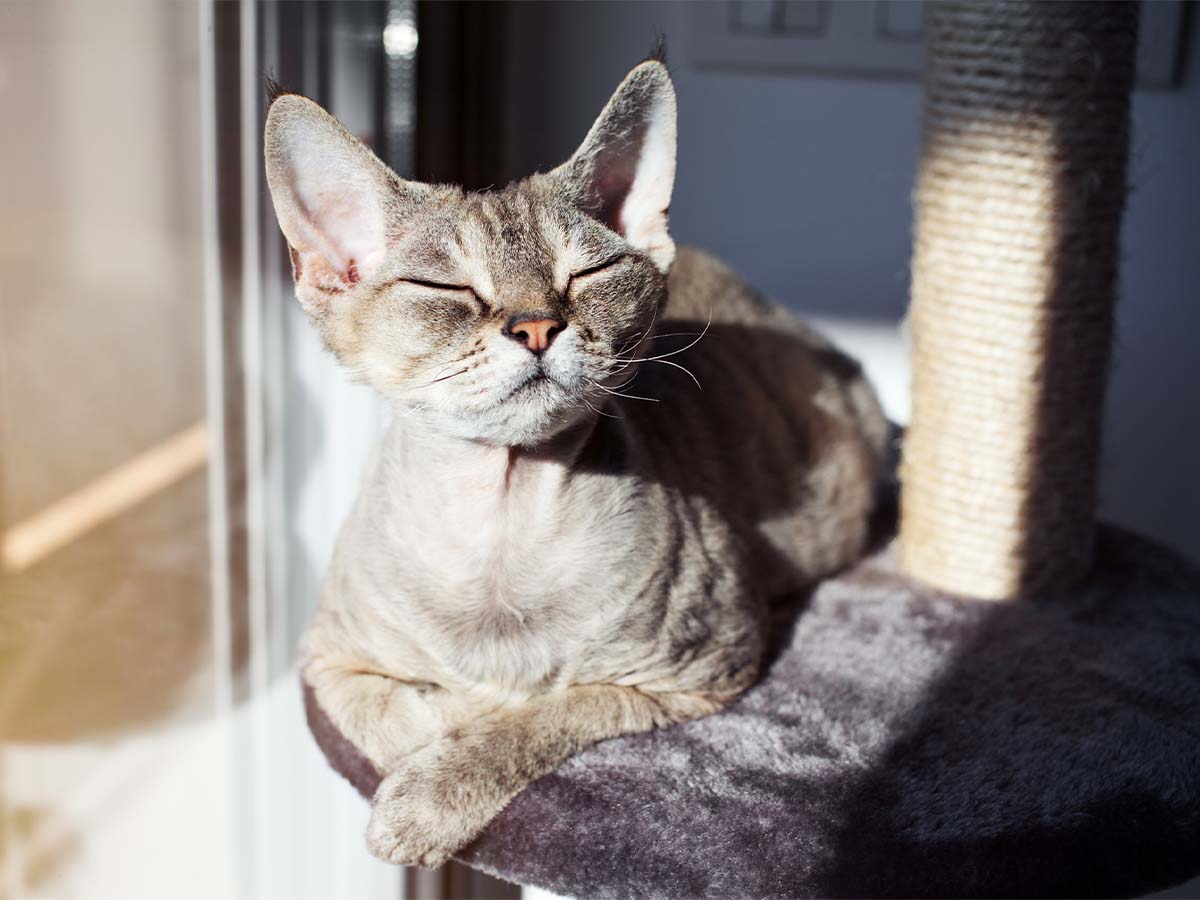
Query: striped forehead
[(511, 237)]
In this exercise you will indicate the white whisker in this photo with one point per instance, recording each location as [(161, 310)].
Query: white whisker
[(627, 381), (686, 371), (426, 384), (663, 362), (627, 396), (631, 340), (597, 410), (673, 352)]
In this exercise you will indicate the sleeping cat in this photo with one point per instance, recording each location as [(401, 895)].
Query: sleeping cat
[(606, 458)]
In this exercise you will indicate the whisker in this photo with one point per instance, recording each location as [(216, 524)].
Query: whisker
[(647, 334), (419, 407), (688, 372), (597, 410), (627, 381), (663, 362), (673, 352), (627, 396), (442, 378), (631, 340)]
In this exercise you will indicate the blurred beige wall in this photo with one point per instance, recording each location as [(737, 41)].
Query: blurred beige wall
[(111, 781), (101, 337)]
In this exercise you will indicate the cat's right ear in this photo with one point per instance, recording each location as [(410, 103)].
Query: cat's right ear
[(335, 200)]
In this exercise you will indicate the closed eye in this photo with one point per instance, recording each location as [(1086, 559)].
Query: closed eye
[(599, 267), (464, 291), (436, 285)]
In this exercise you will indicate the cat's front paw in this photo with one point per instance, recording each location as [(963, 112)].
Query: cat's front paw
[(426, 811)]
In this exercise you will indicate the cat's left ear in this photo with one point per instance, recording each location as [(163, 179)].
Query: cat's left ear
[(624, 171)]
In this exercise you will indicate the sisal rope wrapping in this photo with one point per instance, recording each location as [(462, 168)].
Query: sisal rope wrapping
[(1019, 199)]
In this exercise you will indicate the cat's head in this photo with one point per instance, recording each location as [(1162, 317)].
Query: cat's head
[(500, 316)]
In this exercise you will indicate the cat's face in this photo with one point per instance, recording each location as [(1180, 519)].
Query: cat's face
[(501, 316), (497, 316)]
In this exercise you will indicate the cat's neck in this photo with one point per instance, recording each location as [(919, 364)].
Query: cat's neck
[(415, 453)]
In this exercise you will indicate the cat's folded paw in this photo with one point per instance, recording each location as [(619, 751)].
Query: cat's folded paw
[(408, 850), (425, 812)]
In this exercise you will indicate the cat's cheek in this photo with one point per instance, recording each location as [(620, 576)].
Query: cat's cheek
[(444, 323), (420, 333), (623, 305)]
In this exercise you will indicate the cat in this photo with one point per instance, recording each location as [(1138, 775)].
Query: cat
[(606, 459)]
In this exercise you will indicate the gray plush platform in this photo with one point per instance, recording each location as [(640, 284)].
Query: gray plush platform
[(903, 743)]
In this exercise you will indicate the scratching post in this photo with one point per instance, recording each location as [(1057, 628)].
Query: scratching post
[(1019, 199)]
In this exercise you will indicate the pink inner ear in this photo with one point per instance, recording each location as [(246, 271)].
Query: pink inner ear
[(352, 272), (611, 185)]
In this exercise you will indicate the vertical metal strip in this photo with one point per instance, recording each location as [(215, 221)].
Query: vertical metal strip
[(256, 723), (214, 344), (250, 90), (274, 278), (225, 190)]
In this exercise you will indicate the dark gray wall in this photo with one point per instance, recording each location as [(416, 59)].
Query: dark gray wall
[(803, 184)]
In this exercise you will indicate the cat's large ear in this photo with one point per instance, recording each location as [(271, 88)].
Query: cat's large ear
[(335, 200), (624, 171)]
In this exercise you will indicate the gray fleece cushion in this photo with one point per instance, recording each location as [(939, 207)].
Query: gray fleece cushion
[(902, 743)]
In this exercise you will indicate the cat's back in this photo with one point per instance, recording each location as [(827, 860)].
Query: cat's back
[(700, 286), (776, 425), (716, 322)]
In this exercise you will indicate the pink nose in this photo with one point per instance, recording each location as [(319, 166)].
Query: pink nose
[(535, 332)]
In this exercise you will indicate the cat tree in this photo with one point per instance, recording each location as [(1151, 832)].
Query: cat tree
[(909, 739)]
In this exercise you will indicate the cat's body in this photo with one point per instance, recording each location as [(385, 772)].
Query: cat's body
[(577, 536), (510, 572)]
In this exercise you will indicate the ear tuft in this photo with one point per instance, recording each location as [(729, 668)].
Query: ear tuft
[(624, 171), (273, 89), (658, 53)]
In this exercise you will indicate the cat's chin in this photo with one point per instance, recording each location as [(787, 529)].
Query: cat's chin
[(531, 416)]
